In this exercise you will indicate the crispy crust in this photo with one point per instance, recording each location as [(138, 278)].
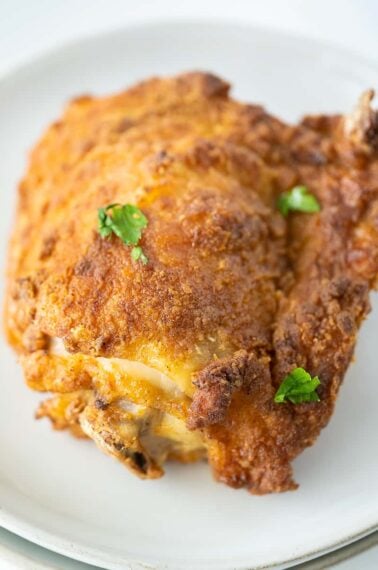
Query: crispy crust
[(64, 411), (217, 383), (234, 295)]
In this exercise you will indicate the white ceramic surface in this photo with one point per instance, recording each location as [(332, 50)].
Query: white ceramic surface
[(63, 493), (19, 554), (16, 553)]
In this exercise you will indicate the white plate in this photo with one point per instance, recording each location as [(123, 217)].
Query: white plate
[(17, 553), (67, 496)]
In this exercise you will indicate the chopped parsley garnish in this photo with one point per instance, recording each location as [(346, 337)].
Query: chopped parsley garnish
[(137, 254), (298, 387), (298, 199), (126, 222)]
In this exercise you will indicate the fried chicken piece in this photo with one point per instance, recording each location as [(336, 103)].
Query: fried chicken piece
[(181, 357)]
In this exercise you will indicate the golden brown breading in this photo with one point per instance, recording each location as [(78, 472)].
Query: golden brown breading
[(64, 411), (234, 295)]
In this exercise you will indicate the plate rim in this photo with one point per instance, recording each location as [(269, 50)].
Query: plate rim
[(89, 555), (342, 554), (36, 534)]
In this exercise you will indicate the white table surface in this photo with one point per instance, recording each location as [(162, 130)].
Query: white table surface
[(30, 27)]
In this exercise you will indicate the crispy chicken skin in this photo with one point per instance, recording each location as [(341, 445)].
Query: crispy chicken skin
[(180, 358)]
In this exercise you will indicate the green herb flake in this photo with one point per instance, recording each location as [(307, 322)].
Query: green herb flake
[(127, 222), (138, 255), (298, 199), (298, 387)]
